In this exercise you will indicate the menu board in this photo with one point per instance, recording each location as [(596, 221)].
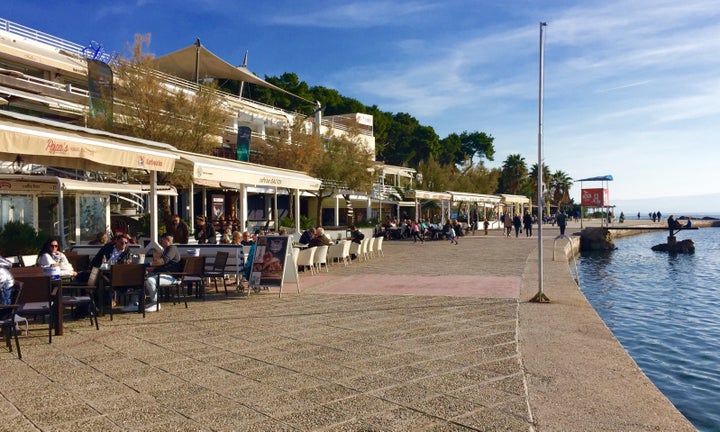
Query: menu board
[(269, 261)]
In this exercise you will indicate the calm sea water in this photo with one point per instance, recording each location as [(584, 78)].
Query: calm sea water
[(665, 310)]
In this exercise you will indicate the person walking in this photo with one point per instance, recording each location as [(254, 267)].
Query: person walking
[(517, 224), (415, 231), (561, 221), (507, 223), (486, 225), (527, 224)]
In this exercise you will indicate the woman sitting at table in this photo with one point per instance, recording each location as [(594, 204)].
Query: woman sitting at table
[(168, 262), (50, 256)]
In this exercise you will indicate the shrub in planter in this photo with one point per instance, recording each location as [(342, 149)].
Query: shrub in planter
[(18, 238)]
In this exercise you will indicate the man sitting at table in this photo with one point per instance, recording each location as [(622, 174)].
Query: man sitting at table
[(115, 252), (169, 261)]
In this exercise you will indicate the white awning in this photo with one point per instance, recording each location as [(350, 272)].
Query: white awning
[(430, 195), (51, 143), (48, 185), (476, 198), (230, 174), (515, 199), (186, 62)]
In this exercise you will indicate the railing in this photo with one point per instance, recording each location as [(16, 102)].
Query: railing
[(47, 39)]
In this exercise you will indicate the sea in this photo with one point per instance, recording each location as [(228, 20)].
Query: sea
[(665, 311)]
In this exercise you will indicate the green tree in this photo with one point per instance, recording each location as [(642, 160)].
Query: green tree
[(560, 184), (514, 174)]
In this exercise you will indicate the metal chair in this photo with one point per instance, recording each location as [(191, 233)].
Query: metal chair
[(218, 270), (8, 319), (193, 274), (37, 299)]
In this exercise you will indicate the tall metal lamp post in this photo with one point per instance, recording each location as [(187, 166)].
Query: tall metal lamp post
[(540, 296)]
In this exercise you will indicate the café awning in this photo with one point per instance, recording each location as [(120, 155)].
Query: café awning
[(474, 198), (48, 185), (230, 174), (44, 142), (430, 195)]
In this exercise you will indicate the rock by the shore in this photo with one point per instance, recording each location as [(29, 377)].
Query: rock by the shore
[(684, 246), (594, 239)]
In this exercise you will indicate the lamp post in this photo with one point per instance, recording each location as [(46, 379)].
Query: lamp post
[(540, 296)]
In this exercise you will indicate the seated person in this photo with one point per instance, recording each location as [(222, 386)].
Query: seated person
[(320, 238), (246, 239), (307, 236), (169, 261), (672, 223), (355, 235), (50, 256), (100, 239), (115, 252), (688, 224)]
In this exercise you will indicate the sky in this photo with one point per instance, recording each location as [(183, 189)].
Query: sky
[(631, 88)]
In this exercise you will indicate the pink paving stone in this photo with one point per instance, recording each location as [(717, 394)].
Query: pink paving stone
[(451, 285)]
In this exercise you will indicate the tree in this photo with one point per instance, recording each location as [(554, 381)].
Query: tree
[(560, 183), (345, 166), (146, 107), (532, 181), (514, 174)]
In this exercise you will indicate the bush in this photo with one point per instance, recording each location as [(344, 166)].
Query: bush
[(18, 238)]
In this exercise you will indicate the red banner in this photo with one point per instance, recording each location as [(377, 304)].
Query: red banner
[(594, 197)]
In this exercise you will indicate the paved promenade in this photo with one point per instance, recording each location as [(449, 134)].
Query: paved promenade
[(430, 337)]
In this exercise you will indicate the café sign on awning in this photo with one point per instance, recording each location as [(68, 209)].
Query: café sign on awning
[(50, 143)]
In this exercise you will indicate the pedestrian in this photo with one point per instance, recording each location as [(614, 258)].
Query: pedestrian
[(561, 221), (517, 224), (527, 224), (507, 222), (486, 225)]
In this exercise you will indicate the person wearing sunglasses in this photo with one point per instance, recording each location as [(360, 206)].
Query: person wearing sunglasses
[(115, 252), (51, 256)]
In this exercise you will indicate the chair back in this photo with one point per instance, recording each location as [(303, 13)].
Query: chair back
[(221, 259), (371, 245), (306, 257), (29, 260), (79, 262), (321, 255), (127, 275), (18, 272), (194, 266), (36, 289), (8, 311), (378, 245)]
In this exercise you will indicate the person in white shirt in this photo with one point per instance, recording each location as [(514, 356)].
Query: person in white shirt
[(50, 256)]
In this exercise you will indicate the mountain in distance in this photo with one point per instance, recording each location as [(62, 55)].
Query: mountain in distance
[(691, 205)]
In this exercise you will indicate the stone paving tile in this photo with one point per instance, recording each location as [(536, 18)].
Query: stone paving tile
[(303, 362)]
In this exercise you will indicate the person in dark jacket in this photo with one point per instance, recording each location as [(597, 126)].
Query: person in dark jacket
[(204, 231), (527, 224), (115, 252), (517, 224), (178, 229)]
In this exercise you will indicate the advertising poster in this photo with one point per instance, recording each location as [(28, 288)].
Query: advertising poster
[(594, 197), (269, 261)]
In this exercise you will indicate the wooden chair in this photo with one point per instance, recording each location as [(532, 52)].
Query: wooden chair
[(8, 322), (129, 279)]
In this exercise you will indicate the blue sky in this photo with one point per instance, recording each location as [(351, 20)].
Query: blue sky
[(631, 87)]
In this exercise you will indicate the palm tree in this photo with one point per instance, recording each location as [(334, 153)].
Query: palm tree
[(533, 176), (514, 174), (560, 183)]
